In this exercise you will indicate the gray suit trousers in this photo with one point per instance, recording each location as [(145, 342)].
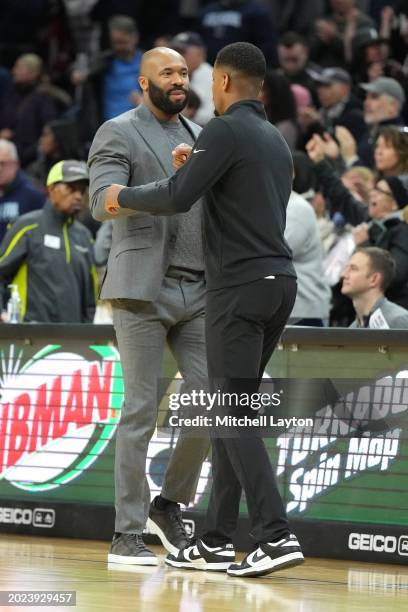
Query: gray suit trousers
[(142, 330)]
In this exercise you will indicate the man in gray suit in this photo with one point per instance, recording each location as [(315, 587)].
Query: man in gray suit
[(155, 281)]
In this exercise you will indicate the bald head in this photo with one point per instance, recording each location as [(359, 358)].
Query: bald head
[(164, 81), (155, 59)]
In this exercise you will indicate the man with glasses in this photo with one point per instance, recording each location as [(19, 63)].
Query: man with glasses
[(384, 101), (48, 254), (17, 193)]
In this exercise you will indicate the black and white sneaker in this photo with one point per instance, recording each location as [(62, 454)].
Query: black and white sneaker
[(268, 558), (168, 526), (129, 549), (199, 556)]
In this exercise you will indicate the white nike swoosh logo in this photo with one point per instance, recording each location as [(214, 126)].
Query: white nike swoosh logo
[(198, 150)]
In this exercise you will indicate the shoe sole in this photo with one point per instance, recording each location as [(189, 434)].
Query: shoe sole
[(123, 560), (154, 528), (270, 565), (204, 566)]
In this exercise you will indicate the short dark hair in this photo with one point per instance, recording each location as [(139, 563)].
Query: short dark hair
[(380, 261), (124, 24), (244, 58), (290, 39)]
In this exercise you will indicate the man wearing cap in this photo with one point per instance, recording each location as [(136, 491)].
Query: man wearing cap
[(48, 254), (383, 104), (338, 105), (191, 47)]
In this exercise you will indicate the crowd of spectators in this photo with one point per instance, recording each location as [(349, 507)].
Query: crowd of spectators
[(336, 89)]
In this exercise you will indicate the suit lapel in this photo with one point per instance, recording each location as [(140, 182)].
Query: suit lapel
[(154, 136), (193, 128)]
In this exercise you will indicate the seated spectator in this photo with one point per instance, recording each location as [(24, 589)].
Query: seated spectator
[(227, 21), (48, 254), (18, 195), (384, 101), (58, 141), (293, 56), (378, 224), (111, 86), (192, 48), (29, 104), (366, 278), (313, 295)]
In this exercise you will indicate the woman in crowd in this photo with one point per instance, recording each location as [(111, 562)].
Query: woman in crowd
[(391, 151), (58, 141), (280, 106)]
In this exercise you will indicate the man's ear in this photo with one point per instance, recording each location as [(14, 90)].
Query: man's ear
[(143, 83), (375, 280), (226, 82)]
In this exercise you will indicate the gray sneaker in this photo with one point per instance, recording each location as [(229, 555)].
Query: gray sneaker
[(129, 549), (168, 526)]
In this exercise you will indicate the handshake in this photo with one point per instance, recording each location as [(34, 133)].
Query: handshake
[(180, 155)]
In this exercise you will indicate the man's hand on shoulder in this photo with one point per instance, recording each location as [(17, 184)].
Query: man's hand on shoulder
[(111, 199)]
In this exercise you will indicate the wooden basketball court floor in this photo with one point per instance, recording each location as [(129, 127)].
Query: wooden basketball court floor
[(39, 563)]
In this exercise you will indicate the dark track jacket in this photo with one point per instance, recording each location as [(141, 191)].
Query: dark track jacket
[(49, 256), (243, 166)]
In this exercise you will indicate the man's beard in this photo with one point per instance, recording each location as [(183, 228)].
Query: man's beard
[(161, 99)]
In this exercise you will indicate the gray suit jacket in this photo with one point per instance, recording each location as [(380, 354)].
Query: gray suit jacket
[(133, 149)]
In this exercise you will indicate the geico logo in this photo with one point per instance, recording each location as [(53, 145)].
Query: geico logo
[(16, 516), (372, 542)]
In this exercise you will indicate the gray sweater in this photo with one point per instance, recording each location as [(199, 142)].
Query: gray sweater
[(302, 235), (385, 315)]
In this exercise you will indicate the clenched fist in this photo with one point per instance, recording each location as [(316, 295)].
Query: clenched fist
[(180, 155), (111, 199)]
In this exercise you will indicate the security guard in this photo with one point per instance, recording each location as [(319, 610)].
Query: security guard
[(48, 254)]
